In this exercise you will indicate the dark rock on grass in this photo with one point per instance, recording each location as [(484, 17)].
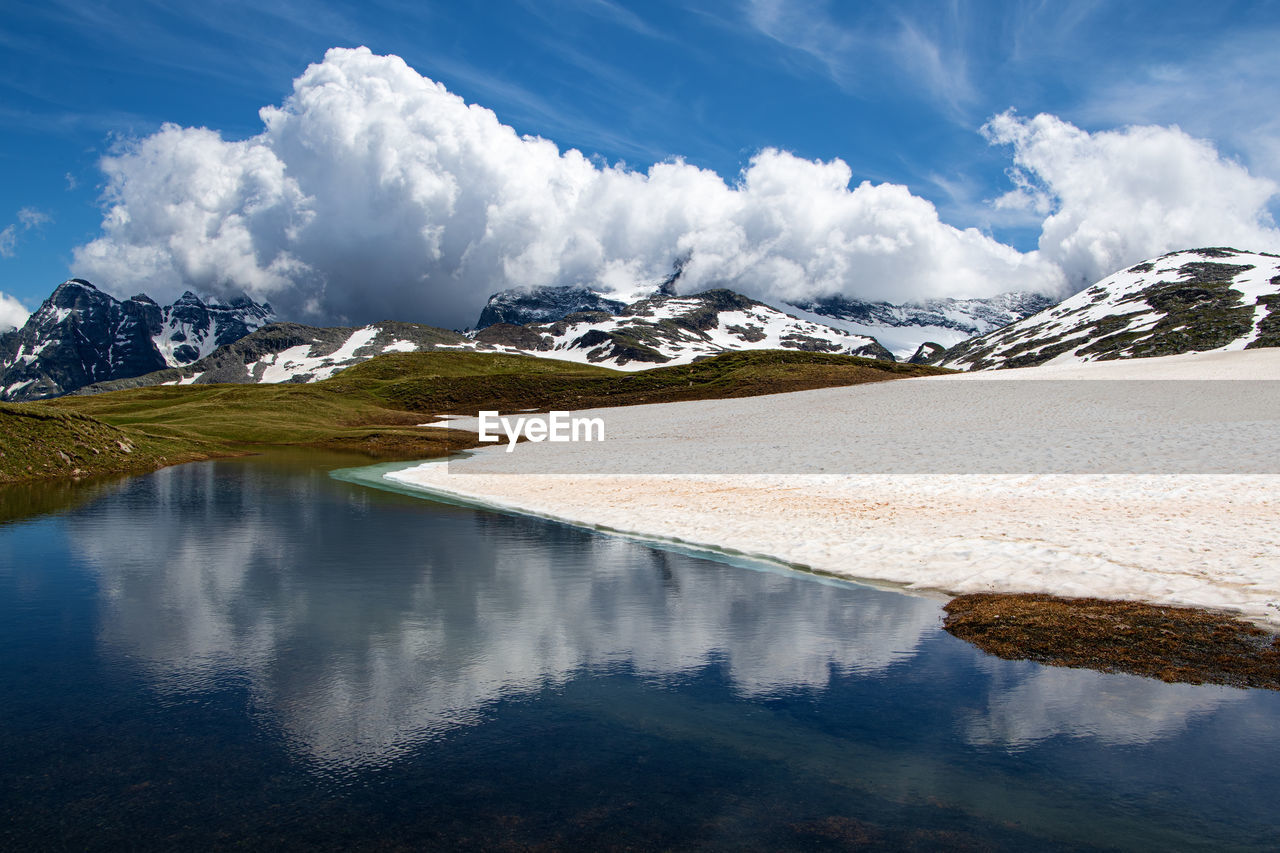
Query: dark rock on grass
[(509, 335), (1174, 644)]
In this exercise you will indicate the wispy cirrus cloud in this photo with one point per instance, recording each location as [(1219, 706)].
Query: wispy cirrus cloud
[(28, 218), (923, 56)]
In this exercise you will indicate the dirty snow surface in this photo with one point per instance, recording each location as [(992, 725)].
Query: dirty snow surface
[(1162, 485)]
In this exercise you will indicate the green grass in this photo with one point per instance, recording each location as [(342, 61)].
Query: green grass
[(417, 381), (39, 442), (374, 407)]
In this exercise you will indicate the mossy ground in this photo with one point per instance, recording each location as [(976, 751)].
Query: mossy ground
[(1174, 644), (375, 407)]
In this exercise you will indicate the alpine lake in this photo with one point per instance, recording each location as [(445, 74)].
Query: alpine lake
[(281, 652)]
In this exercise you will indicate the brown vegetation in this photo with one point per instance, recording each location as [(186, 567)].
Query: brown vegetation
[(1170, 643)]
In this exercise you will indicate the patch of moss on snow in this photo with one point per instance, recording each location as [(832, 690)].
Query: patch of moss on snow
[(1268, 326), (1199, 315)]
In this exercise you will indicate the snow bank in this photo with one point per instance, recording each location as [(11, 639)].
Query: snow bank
[(1170, 535)]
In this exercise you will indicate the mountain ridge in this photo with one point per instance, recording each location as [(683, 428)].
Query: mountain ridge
[(902, 327), (661, 330)]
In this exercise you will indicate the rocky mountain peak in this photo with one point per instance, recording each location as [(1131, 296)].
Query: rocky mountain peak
[(81, 335)]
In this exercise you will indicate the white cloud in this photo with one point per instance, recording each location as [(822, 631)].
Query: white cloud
[(922, 57), (32, 218), (28, 218), (12, 314), (1118, 197), (1115, 709), (375, 193)]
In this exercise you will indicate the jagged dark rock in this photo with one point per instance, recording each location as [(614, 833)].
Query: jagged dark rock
[(927, 353), (542, 305)]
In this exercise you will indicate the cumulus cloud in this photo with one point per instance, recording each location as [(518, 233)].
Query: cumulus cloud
[(374, 192), (1117, 197), (12, 314)]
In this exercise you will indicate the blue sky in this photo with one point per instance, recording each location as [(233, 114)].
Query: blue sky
[(898, 91)]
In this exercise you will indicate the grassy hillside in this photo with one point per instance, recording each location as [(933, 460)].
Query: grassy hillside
[(37, 442), (463, 383), (374, 407)]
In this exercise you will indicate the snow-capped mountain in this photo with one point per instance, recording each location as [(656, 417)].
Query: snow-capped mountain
[(1198, 300), (668, 329), (80, 335), (903, 328), (899, 328)]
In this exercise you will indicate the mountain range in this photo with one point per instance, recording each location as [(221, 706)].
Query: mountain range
[(899, 328), (661, 329), (82, 340)]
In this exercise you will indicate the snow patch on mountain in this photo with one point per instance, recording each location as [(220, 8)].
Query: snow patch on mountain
[(192, 329), (903, 328), (298, 361)]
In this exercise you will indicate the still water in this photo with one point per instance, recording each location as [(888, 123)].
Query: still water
[(251, 653)]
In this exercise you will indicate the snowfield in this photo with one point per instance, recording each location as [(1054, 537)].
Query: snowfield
[(1164, 491)]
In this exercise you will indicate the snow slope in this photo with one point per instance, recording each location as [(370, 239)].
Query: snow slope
[(1201, 300)]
